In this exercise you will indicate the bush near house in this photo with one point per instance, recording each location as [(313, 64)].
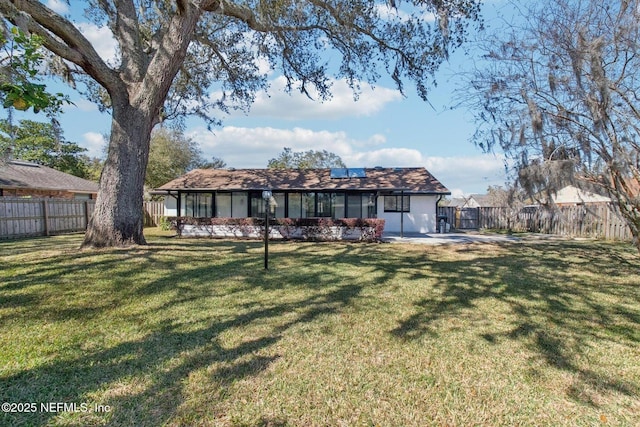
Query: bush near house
[(318, 229)]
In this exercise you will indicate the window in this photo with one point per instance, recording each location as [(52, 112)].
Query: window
[(204, 207), (324, 204), (239, 204), (278, 201), (369, 205), (197, 205), (276, 205), (338, 205), (223, 205), (361, 205), (257, 205), (295, 205), (397, 203), (308, 205), (354, 206)]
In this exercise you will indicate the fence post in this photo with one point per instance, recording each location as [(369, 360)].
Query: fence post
[(45, 211), (86, 214)]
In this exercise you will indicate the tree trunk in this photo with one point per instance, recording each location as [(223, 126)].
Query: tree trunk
[(118, 218), (634, 224)]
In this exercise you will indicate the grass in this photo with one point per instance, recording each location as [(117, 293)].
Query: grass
[(195, 332)]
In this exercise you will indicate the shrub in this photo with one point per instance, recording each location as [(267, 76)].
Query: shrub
[(164, 224), (370, 229)]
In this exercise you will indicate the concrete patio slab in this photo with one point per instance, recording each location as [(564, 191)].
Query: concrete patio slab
[(446, 238)]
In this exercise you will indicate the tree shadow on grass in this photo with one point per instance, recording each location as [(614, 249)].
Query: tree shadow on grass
[(32, 244), (143, 378), (553, 294), (148, 374)]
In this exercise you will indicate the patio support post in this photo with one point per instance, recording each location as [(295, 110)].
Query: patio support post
[(402, 213), (266, 196)]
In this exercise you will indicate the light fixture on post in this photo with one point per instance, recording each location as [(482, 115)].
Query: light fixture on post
[(266, 196)]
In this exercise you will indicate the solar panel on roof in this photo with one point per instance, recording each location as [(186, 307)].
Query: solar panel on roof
[(348, 173), (357, 173), (339, 173)]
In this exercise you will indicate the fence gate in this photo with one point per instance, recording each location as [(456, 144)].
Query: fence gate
[(469, 219)]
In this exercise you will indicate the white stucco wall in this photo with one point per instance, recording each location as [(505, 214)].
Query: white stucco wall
[(420, 219)]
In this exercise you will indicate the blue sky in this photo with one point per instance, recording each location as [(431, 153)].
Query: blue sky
[(382, 128)]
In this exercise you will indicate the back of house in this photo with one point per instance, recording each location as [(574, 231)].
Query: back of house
[(406, 198)]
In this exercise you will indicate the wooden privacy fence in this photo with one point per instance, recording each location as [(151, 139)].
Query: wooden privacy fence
[(23, 217), (153, 213), (597, 221)]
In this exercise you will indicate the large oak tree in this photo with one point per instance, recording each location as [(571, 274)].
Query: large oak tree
[(201, 56)]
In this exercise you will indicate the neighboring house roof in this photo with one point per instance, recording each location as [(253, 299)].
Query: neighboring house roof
[(411, 180), (457, 202), (473, 201), (481, 200), (574, 195), (27, 175)]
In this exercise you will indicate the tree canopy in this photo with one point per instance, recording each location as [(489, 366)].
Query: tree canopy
[(43, 143), (558, 93), (206, 56), (214, 163), (310, 159), (171, 155)]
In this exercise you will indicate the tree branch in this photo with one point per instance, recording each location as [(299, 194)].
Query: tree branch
[(248, 16), (61, 37), (127, 32)]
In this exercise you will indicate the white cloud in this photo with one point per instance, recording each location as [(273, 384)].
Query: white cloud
[(102, 40), (58, 6), (254, 147), (387, 157), (389, 13), (94, 143), (277, 103), (457, 193), (83, 105), (473, 174)]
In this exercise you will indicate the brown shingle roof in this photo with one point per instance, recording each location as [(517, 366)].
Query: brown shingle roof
[(20, 174), (415, 180)]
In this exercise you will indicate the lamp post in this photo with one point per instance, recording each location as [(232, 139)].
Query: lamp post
[(266, 196)]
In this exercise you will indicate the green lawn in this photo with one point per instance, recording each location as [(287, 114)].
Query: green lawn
[(194, 332)]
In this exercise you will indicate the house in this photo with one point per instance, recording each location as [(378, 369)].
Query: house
[(25, 179), (572, 196), (472, 201), (405, 198)]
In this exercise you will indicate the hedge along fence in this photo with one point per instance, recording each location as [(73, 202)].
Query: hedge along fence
[(320, 229)]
